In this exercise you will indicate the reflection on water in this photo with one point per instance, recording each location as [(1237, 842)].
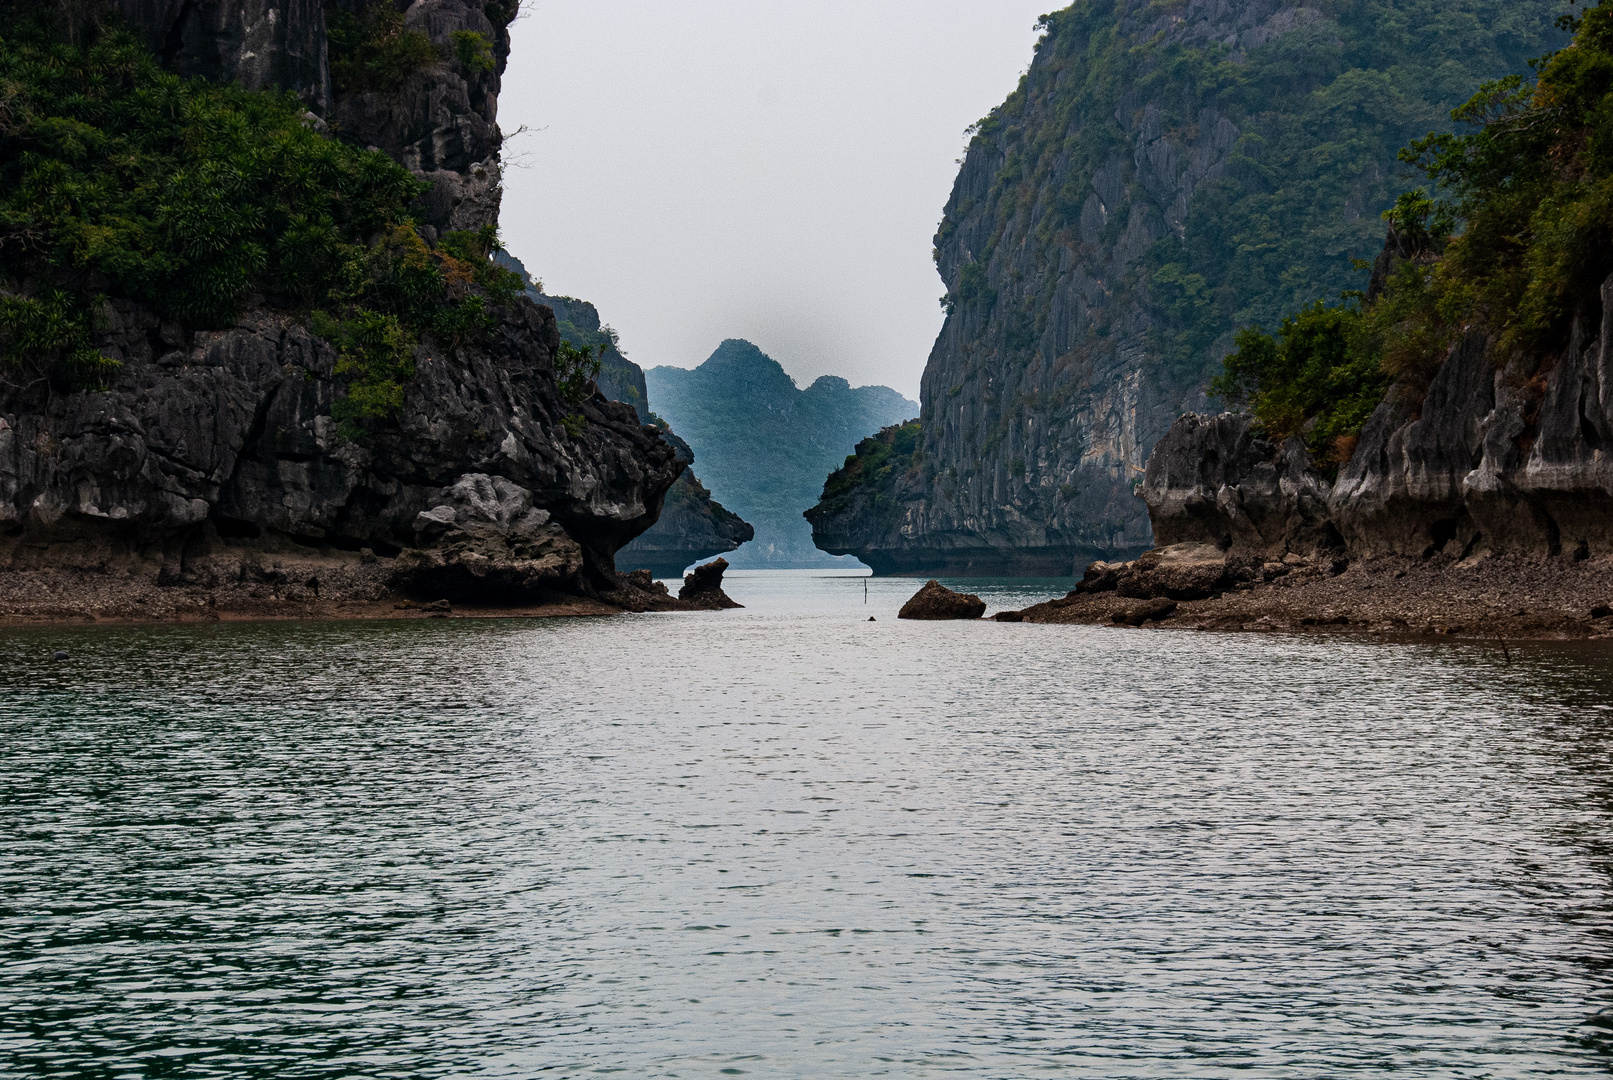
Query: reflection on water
[(785, 841)]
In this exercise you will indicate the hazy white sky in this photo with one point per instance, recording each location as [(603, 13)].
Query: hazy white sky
[(761, 169)]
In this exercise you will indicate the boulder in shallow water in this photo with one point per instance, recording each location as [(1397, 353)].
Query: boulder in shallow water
[(702, 587), (936, 601)]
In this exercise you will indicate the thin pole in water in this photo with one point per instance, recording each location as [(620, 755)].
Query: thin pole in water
[(865, 590)]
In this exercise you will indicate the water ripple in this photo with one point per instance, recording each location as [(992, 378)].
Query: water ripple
[(786, 841)]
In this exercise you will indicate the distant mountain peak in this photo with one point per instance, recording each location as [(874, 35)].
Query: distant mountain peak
[(828, 383), (765, 444), (739, 360)]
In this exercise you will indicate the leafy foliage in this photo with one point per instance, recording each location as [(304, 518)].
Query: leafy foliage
[(877, 460), (575, 369), (1316, 116), (473, 51), (1531, 185), (1318, 378), (53, 331), (1532, 182), (377, 355), (120, 179), (372, 49)]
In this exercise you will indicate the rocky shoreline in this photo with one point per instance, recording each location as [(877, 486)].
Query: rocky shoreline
[(1502, 597), (253, 587)]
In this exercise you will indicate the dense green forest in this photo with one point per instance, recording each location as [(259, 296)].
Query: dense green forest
[(1320, 109), (121, 180), (1519, 237)]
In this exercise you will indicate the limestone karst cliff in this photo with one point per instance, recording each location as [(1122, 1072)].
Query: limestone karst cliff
[(438, 443), (1461, 407), (693, 526), (1164, 174), (1498, 453)]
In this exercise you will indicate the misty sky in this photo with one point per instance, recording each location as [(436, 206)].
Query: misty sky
[(758, 169)]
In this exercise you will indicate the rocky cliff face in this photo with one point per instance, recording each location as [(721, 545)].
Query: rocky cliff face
[(693, 526), (210, 441), (210, 449), (1164, 174), (261, 44), (442, 122), (1496, 457)]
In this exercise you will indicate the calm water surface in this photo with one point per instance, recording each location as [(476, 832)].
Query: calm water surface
[(789, 842)]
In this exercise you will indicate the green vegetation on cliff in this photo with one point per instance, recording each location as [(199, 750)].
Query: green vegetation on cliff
[(121, 180), (1319, 111), (372, 49), (1522, 232), (884, 455), (1166, 174)]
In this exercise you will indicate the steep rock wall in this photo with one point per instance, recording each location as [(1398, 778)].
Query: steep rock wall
[(1164, 174), (208, 449), (227, 437), (261, 44), (442, 122), (693, 526), (1513, 457)]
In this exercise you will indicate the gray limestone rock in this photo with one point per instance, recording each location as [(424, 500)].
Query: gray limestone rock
[(1071, 266), (442, 123), (262, 44), (1493, 457), (1217, 480), (229, 440), (211, 451), (485, 540)]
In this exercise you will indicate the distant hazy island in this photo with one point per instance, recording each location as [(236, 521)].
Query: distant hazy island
[(764, 445)]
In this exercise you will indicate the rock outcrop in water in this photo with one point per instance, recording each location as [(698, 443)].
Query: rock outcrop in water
[(935, 602), (1111, 226), (702, 587), (692, 526), (210, 448)]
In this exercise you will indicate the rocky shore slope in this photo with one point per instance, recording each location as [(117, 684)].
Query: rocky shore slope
[(1482, 506), (209, 474)]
